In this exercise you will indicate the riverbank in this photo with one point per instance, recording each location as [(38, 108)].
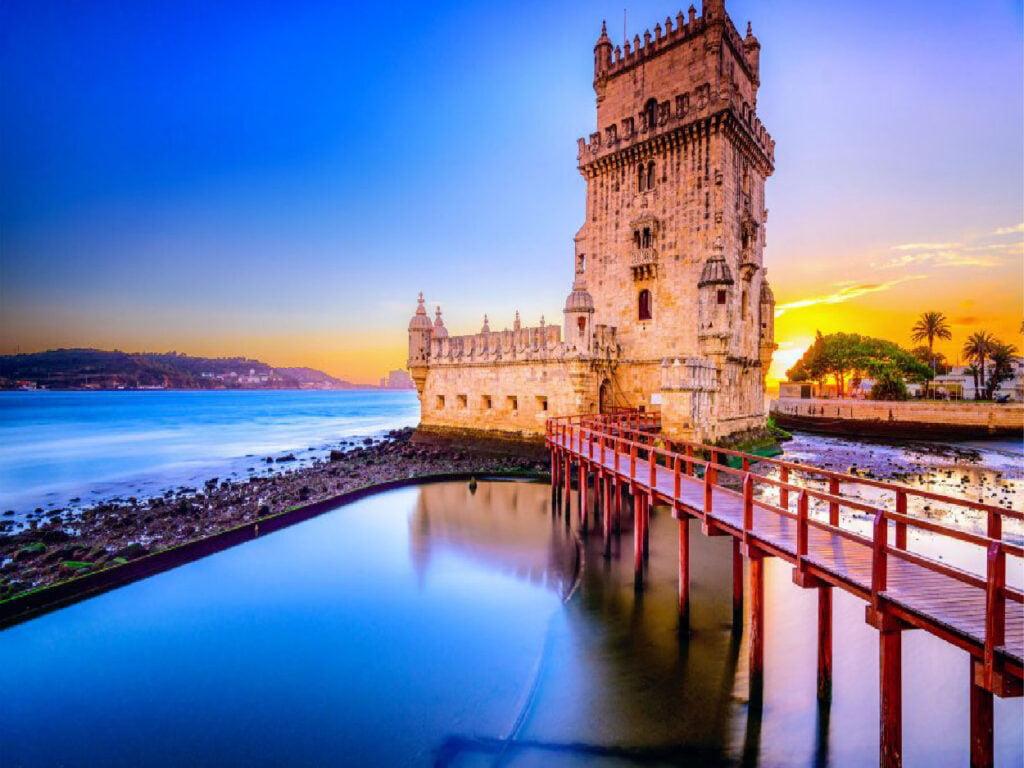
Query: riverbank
[(68, 543), (902, 419)]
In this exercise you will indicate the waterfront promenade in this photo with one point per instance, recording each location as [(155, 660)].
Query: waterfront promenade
[(983, 615)]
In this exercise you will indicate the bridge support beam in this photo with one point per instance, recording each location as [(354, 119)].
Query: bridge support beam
[(607, 503), (567, 477), (648, 503), (737, 587), (982, 729), (890, 740), (638, 539), (756, 623), (583, 495), (684, 574), (825, 644)]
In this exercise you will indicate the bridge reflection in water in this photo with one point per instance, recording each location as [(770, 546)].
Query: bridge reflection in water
[(619, 685)]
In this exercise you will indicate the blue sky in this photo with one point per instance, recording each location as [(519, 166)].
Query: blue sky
[(280, 180)]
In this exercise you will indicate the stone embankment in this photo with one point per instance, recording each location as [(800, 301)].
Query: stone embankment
[(67, 544), (909, 419)]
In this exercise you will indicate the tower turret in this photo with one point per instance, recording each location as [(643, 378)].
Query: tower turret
[(767, 331), (439, 332), (420, 332), (715, 306), (602, 60), (579, 315), (752, 50)]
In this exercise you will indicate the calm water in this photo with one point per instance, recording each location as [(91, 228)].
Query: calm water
[(56, 446), (428, 623)]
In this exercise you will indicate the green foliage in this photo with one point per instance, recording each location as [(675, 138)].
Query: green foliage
[(889, 386), (76, 565), (849, 355), (1001, 358), (35, 547)]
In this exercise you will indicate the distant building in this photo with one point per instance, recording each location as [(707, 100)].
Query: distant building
[(669, 309), (397, 380)]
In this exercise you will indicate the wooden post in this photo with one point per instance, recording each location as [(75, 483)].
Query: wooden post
[(833, 506), (677, 480), (707, 490), (824, 643), (901, 527), (784, 492), (737, 587), (684, 573), (632, 461), (648, 503), (756, 624), (652, 465), (583, 494), (689, 459), (606, 514), (711, 467), (801, 528), (879, 572), (995, 610), (638, 539), (890, 710), (748, 505), (982, 730), (618, 506)]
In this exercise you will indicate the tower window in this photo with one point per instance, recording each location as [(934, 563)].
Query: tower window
[(485, 402), (462, 400), (650, 175), (513, 404), (721, 295), (439, 404), (646, 240), (581, 323), (743, 305), (650, 113), (581, 263), (644, 305), (641, 178), (542, 403)]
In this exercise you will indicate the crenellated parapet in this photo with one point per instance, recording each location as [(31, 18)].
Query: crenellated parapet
[(521, 344), (686, 118)]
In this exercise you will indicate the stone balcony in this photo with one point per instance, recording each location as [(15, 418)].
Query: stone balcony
[(644, 263)]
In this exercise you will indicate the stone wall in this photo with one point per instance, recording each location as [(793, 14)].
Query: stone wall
[(904, 419)]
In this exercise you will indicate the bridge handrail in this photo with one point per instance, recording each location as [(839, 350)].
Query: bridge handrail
[(978, 506), (997, 591)]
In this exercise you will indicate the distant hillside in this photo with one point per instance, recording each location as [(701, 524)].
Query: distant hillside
[(99, 369)]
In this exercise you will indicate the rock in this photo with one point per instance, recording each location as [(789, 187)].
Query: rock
[(286, 457), (132, 551), (336, 455), (54, 535)]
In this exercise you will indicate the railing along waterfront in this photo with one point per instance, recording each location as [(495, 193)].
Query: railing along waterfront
[(903, 589)]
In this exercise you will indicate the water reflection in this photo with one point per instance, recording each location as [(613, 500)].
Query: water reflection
[(427, 626)]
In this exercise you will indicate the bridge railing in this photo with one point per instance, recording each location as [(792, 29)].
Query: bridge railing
[(629, 439)]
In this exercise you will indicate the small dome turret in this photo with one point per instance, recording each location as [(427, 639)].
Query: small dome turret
[(580, 299), (767, 296), (440, 332), (715, 272), (420, 321)]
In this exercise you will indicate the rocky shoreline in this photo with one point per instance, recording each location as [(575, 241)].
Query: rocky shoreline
[(62, 544)]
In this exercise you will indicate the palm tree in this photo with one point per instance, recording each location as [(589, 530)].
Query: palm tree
[(1001, 357), (977, 347), (931, 326)]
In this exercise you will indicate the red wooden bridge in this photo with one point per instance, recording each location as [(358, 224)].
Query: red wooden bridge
[(624, 454)]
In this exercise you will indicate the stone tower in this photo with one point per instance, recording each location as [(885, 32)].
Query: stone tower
[(674, 236)]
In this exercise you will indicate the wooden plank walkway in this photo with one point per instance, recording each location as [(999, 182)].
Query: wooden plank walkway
[(903, 590)]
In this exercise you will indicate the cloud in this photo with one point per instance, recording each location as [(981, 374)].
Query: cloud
[(925, 246), (1010, 230), (846, 292)]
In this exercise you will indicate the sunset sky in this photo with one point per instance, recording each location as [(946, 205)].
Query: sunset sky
[(279, 180)]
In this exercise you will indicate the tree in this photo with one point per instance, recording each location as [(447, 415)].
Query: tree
[(936, 360), (931, 326), (1001, 357), (978, 347), (889, 386), (843, 355)]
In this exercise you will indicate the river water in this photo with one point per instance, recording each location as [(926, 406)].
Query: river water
[(438, 624), (445, 625)]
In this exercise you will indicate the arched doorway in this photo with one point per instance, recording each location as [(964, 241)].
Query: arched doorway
[(604, 399)]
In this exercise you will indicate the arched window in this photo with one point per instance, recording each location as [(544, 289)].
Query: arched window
[(646, 240), (644, 305), (581, 263), (650, 175), (650, 113), (636, 237), (581, 323), (641, 178), (743, 305)]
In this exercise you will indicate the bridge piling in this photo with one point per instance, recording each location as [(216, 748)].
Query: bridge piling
[(737, 587), (756, 664), (982, 728), (890, 710), (825, 644), (684, 573), (638, 540), (607, 494)]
